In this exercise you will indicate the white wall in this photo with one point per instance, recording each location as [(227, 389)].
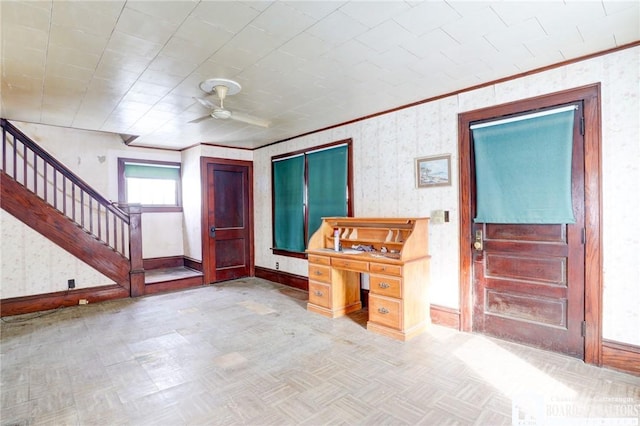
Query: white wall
[(385, 148)]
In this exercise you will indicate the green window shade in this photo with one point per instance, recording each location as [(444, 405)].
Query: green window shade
[(327, 185), (523, 169), (151, 172), (288, 184)]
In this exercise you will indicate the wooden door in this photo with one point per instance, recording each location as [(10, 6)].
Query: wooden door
[(529, 280), (227, 225)]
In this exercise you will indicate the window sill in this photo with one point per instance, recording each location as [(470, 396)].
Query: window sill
[(297, 254)]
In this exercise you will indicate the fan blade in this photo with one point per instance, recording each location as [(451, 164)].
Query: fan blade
[(250, 119), (199, 119), (205, 102)]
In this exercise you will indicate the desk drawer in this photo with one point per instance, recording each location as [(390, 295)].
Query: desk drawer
[(351, 265), (320, 273), (383, 268), (386, 286), (320, 260), (385, 311), (320, 294)]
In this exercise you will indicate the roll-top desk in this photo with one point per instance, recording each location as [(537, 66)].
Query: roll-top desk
[(398, 268)]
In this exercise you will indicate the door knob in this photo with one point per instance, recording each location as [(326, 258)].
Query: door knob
[(212, 232), (477, 244)]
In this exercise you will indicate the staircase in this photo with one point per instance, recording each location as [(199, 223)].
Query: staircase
[(45, 195)]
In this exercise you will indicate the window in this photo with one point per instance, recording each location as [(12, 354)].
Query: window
[(154, 184), (307, 186)]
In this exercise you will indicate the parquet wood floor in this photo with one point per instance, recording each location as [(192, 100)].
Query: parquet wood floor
[(248, 352)]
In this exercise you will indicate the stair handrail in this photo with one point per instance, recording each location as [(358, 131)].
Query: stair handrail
[(48, 158)]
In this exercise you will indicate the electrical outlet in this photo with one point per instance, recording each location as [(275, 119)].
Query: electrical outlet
[(71, 283), (277, 265)]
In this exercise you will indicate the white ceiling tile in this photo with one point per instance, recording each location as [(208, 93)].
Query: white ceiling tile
[(150, 89), (470, 50), (69, 71), (160, 78), (80, 40), (317, 9), (34, 38), (125, 44), (350, 53), (33, 14), (474, 26), (543, 45), (581, 48), (517, 34), (72, 56), (114, 61), (625, 26), (430, 43), (173, 12), (198, 31), (145, 27), (17, 62), (514, 12), (255, 40), (230, 16), (556, 19), (373, 13), (282, 20), (427, 16), (171, 66), (187, 51), (385, 36), (305, 46), (615, 6), (337, 28), (97, 17)]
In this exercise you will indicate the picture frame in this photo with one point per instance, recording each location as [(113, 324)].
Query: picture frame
[(433, 171)]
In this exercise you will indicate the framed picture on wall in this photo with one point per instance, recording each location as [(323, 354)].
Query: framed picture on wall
[(433, 171)]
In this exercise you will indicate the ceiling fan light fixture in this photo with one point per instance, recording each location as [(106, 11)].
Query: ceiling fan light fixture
[(220, 113)]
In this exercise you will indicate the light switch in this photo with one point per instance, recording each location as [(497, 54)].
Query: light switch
[(439, 217)]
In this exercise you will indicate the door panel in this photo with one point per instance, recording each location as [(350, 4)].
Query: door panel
[(228, 213), (528, 280)]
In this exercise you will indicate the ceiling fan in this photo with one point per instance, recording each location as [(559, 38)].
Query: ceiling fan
[(222, 87)]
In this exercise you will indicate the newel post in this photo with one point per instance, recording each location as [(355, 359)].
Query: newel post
[(136, 274)]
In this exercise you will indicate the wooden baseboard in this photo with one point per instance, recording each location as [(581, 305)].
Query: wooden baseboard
[(194, 264), (621, 356), (286, 278), (448, 317), (163, 262), (45, 302)]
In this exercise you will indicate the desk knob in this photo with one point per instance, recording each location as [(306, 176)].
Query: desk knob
[(318, 272), (383, 285), (318, 293), (383, 310)]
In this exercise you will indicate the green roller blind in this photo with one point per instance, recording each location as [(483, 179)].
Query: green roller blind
[(288, 187), (327, 185), (523, 169), (143, 171)]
